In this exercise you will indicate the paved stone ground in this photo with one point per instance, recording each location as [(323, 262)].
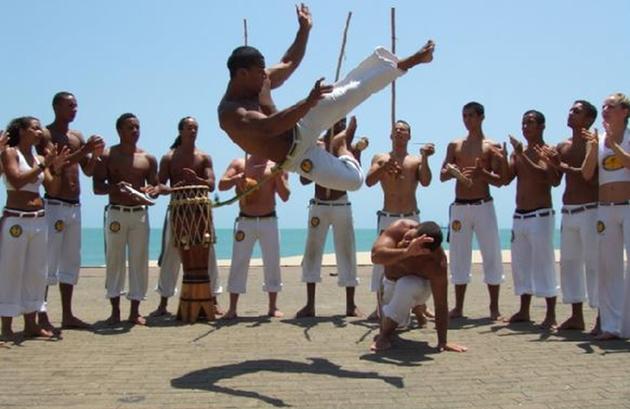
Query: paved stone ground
[(313, 363)]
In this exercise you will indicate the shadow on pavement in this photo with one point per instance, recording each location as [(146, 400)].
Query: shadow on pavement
[(208, 379), (339, 321), (403, 352)]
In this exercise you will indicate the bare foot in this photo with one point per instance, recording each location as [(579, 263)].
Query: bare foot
[(496, 316), (8, 335), (230, 315), (374, 316), (428, 313), (380, 344), (74, 323), (426, 53), (422, 320), (218, 310), (597, 329), (424, 56), (573, 323), (353, 312), (549, 323), (113, 319), (275, 313), (159, 312), (306, 311), (137, 320), (38, 332), (606, 336), (455, 313), (44, 322), (519, 317)]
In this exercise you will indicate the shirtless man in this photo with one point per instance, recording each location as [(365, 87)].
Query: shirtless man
[(126, 219), (415, 268), (183, 165), (578, 251), (289, 137), (257, 220), (533, 261), (63, 210), (480, 162), (398, 173), (331, 208)]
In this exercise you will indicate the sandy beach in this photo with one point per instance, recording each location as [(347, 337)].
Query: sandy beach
[(322, 362)]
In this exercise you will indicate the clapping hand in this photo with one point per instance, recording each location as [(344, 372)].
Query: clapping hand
[(516, 144)]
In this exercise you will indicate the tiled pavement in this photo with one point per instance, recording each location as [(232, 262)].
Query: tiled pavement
[(316, 363)]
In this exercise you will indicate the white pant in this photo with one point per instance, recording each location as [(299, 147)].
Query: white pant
[(314, 163), (323, 214), (127, 229), (22, 265), (578, 254), (384, 219), (64, 242), (533, 260), (402, 295), (170, 265), (614, 285), (480, 218), (247, 231)]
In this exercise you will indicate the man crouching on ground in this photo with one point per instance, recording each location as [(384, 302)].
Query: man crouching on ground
[(415, 268)]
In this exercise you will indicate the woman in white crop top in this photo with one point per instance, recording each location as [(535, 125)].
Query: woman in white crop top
[(23, 228), (608, 156)]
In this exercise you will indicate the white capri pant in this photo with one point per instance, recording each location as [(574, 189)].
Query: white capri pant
[(402, 295), (22, 263), (532, 254), (613, 226), (64, 242), (321, 215), (305, 157), (170, 265), (127, 229), (478, 217), (578, 254), (247, 231), (384, 220)]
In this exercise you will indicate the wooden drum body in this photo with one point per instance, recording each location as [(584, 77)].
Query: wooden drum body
[(193, 233)]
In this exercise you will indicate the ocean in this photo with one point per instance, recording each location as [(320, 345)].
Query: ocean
[(291, 243)]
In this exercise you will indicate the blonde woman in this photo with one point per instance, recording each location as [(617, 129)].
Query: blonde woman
[(608, 157)]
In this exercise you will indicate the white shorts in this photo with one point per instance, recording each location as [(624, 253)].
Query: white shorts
[(384, 220), (478, 217), (578, 254), (402, 295), (126, 229), (343, 173), (64, 241), (170, 265), (613, 226), (533, 260), (247, 231), (323, 214), (22, 263)]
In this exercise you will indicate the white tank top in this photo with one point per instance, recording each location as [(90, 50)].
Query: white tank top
[(611, 169), (24, 167)]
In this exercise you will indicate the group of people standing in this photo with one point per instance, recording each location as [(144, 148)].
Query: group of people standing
[(40, 239)]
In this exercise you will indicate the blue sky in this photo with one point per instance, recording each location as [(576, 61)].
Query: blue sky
[(163, 60)]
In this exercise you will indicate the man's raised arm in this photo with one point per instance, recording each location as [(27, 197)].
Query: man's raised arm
[(280, 72)]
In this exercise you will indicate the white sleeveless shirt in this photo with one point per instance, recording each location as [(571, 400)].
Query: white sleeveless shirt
[(24, 167), (611, 169)]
